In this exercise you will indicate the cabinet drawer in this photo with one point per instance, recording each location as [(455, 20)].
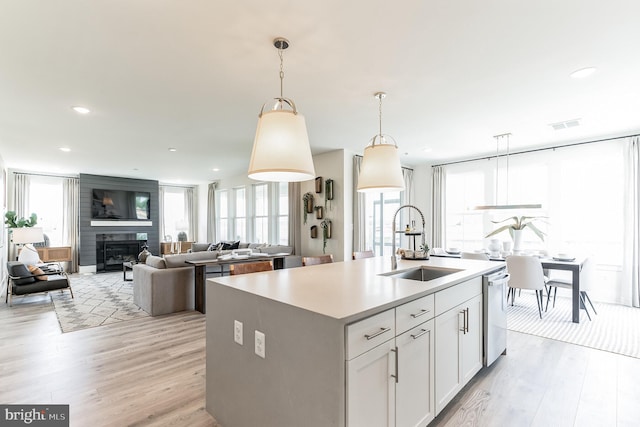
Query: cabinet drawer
[(370, 332), (447, 299), (413, 313)]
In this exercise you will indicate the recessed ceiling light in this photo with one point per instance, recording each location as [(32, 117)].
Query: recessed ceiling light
[(81, 110), (583, 72), (215, 170), (173, 150), (65, 149)]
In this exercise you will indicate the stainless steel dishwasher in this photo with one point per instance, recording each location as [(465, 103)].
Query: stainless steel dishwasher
[(494, 287)]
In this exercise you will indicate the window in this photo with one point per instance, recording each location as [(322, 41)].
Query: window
[(45, 200), (379, 210), (240, 214), (283, 214), (176, 220), (261, 208), (222, 213), (258, 213), (580, 189)]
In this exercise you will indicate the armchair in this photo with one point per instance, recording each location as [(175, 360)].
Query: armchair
[(22, 281)]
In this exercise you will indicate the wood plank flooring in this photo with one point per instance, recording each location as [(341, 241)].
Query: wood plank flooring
[(150, 372), (144, 372)]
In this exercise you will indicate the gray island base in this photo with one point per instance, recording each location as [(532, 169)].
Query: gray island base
[(343, 345)]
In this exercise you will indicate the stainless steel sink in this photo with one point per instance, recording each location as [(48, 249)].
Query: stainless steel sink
[(424, 274)]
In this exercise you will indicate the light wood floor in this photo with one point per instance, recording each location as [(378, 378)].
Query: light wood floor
[(150, 372), (144, 372)]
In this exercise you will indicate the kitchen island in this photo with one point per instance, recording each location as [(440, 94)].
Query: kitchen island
[(332, 338)]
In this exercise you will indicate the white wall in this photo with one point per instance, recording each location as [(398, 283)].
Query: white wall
[(4, 245), (336, 165)]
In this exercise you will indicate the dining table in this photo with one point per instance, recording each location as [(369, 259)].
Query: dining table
[(573, 265)]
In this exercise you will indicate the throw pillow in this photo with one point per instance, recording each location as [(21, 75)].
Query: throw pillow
[(18, 269), (36, 271), (229, 245)]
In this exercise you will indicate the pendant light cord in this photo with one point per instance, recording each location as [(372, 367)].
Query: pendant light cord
[(281, 72), (380, 117)]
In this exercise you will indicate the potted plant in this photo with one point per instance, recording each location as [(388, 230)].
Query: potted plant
[(307, 198), (12, 220), (515, 227), (326, 233)]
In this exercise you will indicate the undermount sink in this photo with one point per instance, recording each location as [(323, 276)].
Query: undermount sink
[(423, 274)]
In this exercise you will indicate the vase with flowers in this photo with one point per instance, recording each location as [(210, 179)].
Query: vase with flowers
[(515, 227)]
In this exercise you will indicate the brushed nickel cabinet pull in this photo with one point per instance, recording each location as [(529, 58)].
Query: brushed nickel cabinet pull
[(380, 332), (418, 335), (395, 350), (422, 313)]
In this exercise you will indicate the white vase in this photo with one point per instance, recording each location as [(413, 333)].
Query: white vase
[(517, 241)]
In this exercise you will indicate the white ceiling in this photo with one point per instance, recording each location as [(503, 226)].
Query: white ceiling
[(193, 75)]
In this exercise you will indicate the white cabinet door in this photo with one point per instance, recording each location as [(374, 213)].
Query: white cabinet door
[(447, 355), (371, 387), (415, 386), (472, 340)]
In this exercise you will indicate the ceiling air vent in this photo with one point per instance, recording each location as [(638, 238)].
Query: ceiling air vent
[(566, 124)]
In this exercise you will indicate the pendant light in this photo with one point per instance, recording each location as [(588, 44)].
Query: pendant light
[(380, 169), (281, 149), (506, 205)]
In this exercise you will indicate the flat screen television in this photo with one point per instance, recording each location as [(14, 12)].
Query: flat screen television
[(120, 204)]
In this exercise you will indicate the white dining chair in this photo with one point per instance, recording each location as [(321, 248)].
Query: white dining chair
[(474, 255), (526, 273), (586, 281)]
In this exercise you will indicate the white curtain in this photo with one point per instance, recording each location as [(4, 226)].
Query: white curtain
[(190, 214), (211, 213), (21, 183), (631, 244), (359, 218), (438, 207), (161, 228), (295, 215), (70, 218)]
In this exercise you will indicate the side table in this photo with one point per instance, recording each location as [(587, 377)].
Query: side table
[(127, 266)]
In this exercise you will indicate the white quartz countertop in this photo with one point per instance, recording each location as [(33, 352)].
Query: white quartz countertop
[(352, 289)]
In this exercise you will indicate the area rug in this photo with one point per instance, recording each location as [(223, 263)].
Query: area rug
[(99, 299), (614, 328)]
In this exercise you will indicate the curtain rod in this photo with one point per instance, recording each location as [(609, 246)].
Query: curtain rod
[(534, 150), (44, 174)]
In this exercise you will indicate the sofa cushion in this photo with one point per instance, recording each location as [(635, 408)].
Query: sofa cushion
[(229, 245), (173, 261), (155, 261), (18, 269), (257, 245), (199, 247), (200, 256)]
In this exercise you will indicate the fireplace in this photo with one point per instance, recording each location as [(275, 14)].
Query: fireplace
[(114, 249)]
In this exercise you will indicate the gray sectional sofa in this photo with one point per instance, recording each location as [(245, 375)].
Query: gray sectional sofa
[(166, 284)]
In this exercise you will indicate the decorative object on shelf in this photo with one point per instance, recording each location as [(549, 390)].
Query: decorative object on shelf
[(142, 256), (307, 199), (314, 231), (518, 223), (380, 169), (506, 205), (281, 150), (319, 185), (319, 212), (182, 236), (326, 233)]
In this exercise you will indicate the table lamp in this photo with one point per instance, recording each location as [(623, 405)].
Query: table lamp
[(28, 236)]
